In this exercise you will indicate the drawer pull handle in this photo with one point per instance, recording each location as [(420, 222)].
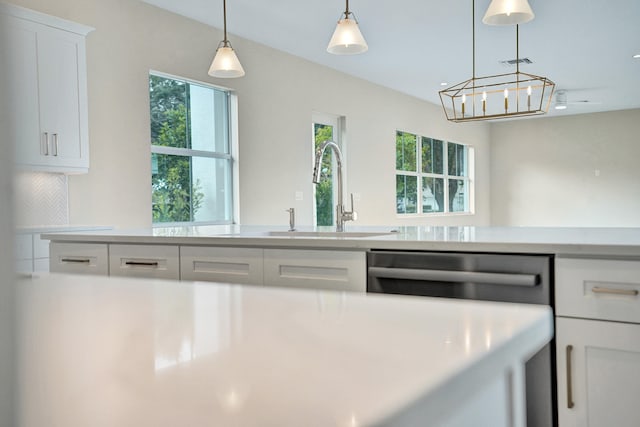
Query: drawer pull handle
[(142, 263), (570, 403), (77, 260), (614, 291), (46, 144), (55, 144)]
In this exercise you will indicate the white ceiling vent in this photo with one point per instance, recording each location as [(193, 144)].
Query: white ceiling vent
[(509, 62)]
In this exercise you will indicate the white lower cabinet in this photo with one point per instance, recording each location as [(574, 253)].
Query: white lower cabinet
[(153, 261), (598, 342), (79, 258), (219, 264), (299, 268), (316, 269), (598, 373)]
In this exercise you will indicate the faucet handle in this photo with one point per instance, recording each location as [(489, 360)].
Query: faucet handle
[(351, 215), (292, 218)]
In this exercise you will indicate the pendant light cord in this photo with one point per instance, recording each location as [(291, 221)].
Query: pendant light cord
[(224, 13), (473, 35), (518, 49), (347, 13)]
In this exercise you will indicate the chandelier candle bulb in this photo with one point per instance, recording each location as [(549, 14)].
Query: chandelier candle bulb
[(506, 100), (464, 99), (484, 103), (529, 98)]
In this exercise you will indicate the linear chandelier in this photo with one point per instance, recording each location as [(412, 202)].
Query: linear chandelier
[(498, 96)]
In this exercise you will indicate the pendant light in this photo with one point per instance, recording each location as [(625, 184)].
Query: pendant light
[(508, 12), (347, 38), (225, 64)]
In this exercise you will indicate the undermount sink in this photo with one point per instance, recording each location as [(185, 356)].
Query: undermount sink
[(332, 234), (327, 233)]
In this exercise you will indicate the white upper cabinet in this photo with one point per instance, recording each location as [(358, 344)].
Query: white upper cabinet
[(45, 60)]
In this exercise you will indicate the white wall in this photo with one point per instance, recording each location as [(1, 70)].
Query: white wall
[(276, 101), (580, 170)]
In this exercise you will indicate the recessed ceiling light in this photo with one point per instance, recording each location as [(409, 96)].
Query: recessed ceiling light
[(637, 56), (443, 83)]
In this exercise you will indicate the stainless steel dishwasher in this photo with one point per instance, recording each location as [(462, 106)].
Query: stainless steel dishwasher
[(479, 276)]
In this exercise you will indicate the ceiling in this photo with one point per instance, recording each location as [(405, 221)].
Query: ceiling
[(585, 46)]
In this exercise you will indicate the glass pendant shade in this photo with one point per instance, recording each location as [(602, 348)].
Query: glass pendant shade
[(347, 39), (226, 64), (508, 12)]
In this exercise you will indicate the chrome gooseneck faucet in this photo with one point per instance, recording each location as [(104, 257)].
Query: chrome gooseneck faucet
[(341, 215)]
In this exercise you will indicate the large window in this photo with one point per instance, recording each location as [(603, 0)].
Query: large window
[(191, 158), (432, 176)]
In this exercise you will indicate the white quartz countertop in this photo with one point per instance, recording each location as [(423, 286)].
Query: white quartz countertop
[(35, 229), (97, 351), (560, 241)]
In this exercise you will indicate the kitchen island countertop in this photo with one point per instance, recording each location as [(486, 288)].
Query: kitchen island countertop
[(111, 351), (619, 242)]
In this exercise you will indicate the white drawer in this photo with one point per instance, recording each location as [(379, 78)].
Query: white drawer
[(598, 289), (80, 258), (154, 261), (230, 265), (316, 269)]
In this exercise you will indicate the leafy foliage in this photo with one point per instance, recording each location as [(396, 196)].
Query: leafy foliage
[(175, 198), (432, 160), (324, 189)]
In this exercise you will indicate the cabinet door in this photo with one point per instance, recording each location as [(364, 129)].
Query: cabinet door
[(20, 63), (153, 261), (316, 269), (47, 69), (60, 54), (215, 264), (79, 258), (598, 373)]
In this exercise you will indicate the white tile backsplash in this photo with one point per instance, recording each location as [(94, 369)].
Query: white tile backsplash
[(41, 199)]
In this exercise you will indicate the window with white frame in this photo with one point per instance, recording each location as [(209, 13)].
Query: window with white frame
[(432, 176), (191, 155), (327, 127)]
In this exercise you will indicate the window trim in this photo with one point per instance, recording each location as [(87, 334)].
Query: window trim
[(232, 156), (469, 179)]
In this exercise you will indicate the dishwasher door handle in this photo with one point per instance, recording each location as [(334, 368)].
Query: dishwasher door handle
[(455, 276)]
